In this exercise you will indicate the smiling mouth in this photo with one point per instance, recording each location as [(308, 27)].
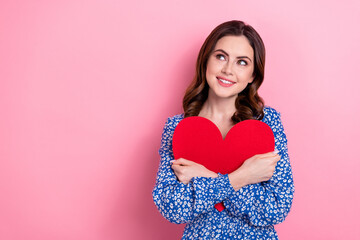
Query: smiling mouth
[(225, 82)]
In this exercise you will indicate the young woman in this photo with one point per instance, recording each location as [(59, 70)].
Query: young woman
[(256, 196)]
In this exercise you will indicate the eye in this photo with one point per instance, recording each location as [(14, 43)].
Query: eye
[(220, 57), (242, 62)]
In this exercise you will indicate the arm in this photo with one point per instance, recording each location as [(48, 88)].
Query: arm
[(179, 202), (185, 170), (267, 203)]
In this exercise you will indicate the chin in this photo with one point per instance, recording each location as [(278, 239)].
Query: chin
[(226, 95)]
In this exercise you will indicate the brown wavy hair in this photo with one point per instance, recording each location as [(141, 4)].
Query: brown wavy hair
[(249, 105)]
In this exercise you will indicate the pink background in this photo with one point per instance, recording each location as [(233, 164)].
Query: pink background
[(86, 87)]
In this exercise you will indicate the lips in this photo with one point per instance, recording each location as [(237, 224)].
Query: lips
[(225, 82)]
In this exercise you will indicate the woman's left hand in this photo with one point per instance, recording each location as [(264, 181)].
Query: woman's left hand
[(185, 170)]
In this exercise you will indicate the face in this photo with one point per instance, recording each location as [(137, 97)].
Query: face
[(230, 67)]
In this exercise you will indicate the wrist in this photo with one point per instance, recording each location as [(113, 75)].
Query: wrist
[(237, 179), (209, 173), (213, 174)]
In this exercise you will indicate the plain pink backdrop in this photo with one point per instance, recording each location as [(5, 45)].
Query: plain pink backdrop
[(86, 87)]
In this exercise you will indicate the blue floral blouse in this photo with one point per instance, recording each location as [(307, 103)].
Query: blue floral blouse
[(250, 213)]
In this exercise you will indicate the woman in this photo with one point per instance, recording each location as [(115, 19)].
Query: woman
[(256, 196)]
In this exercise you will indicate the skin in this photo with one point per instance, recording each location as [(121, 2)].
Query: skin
[(233, 61)]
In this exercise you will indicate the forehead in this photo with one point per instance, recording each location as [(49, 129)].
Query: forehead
[(235, 46)]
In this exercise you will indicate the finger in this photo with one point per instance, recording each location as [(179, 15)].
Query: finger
[(267, 155), (276, 158), (183, 161), (175, 167), (175, 162), (178, 167), (271, 159)]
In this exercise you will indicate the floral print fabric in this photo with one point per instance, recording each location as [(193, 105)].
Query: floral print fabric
[(250, 213)]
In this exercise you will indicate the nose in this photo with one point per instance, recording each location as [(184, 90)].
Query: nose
[(227, 68)]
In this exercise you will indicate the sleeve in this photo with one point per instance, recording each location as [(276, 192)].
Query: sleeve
[(178, 202), (267, 203)]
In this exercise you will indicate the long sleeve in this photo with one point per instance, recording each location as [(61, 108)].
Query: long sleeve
[(267, 203), (178, 202)]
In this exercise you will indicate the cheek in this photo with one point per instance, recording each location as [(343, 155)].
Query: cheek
[(246, 76), (207, 75), (213, 66), (210, 69)]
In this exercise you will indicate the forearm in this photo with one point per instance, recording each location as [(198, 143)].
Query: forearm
[(238, 180), (265, 203), (181, 203)]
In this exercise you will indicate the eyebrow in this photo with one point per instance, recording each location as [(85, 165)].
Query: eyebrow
[(220, 50)]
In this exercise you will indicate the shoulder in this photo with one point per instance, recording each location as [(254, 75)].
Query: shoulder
[(272, 117), (173, 121), (270, 113)]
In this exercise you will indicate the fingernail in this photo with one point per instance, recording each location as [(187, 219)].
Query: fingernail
[(171, 161), (276, 151)]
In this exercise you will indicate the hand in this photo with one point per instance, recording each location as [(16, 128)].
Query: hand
[(185, 170), (256, 169)]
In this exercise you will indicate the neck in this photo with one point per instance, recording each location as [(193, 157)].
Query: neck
[(218, 109)]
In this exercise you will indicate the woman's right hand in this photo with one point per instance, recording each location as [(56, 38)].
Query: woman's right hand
[(256, 169)]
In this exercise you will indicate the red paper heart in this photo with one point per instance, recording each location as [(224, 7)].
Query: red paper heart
[(199, 140)]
